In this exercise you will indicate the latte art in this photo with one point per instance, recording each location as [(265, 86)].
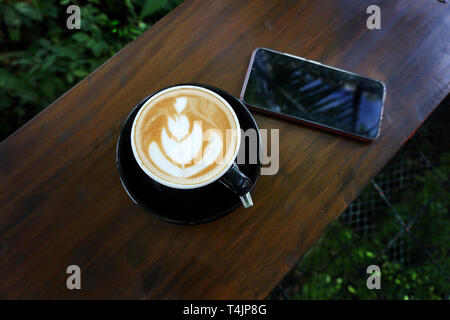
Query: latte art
[(186, 136), (183, 146)]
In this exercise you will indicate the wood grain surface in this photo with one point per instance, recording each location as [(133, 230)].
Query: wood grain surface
[(61, 201)]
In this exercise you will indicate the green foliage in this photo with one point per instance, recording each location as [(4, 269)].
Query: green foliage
[(328, 272), (40, 58)]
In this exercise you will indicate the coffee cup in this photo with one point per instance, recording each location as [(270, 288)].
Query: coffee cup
[(186, 137)]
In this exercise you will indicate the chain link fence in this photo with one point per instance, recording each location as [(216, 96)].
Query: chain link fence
[(400, 223)]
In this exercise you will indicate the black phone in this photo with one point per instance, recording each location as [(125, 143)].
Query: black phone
[(311, 93)]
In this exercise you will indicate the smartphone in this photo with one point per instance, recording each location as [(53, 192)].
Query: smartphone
[(314, 94)]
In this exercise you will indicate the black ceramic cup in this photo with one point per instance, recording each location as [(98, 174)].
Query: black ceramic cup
[(195, 205)]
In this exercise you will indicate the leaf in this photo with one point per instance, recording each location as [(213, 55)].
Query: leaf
[(12, 55), (97, 48), (81, 37), (11, 17), (348, 234), (48, 62), (34, 69), (48, 9), (70, 78), (14, 33), (7, 79), (27, 10), (130, 6), (151, 7), (80, 73), (142, 25), (48, 88), (102, 19), (45, 43)]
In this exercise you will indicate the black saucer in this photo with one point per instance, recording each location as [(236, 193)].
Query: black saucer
[(192, 206)]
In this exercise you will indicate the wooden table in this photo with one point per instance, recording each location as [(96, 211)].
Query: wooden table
[(61, 200)]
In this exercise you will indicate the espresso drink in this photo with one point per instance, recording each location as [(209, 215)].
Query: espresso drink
[(186, 136)]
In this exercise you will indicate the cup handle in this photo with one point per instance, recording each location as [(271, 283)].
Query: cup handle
[(246, 200), (239, 183)]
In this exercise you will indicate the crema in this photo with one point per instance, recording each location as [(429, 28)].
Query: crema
[(186, 135)]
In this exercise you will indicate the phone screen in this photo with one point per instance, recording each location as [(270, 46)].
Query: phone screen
[(310, 92)]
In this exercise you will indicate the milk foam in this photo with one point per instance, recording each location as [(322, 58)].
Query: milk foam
[(181, 137)]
